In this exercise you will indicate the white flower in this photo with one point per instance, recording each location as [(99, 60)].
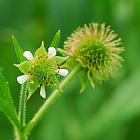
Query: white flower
[(63, 72), (42, 91), (22, 79), (52, 51), (28, 55)]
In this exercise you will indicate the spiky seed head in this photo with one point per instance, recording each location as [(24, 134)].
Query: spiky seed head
[(98, 50), (43, 70)]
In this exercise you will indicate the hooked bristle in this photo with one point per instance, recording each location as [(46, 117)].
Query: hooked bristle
[(97, 48)]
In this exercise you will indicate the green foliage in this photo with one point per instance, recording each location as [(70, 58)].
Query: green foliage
[(6, 101), (56, 39), (18, 50), (120, 108)]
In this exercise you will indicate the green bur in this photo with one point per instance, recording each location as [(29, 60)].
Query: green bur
[(98, 50)]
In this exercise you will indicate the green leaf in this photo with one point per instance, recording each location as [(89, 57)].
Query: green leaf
[(60, 59), (40, 51), (6, 102), (56, 39), (32, 87), (24, 67), (18, 50)]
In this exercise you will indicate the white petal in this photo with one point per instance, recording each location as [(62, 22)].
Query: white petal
[(28, 55), (63, 72), (52, 51), (22, 79), (42, 91)]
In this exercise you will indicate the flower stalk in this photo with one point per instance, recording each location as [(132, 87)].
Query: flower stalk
[(22, 104), (19, 135)]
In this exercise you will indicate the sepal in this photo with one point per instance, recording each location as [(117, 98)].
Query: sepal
[(60, 59), (32, 87), (90, 79), (40, 51), (62, 52), (83, 82), (24, 67)]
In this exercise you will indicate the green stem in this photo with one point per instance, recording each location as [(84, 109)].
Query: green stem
[(49, 101), (22, 105), (19, 135)]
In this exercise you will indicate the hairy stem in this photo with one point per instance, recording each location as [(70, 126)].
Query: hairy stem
[(49, 101), (22, 104), (19, 135)]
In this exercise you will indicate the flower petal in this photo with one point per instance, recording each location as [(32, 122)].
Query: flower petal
[(63, 72), (22, 79), (52, 51), (42, 91), (28, 55)]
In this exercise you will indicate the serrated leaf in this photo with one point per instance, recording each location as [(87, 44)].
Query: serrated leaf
[(24, 67), (6, 102), (56, 39), (40, 51), (60, 59), (32, 87), (18, 50)]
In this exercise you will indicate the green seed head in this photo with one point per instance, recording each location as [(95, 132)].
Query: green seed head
[(97, 49), (43, 70)]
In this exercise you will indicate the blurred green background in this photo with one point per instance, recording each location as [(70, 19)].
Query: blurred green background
[(111, 111)]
